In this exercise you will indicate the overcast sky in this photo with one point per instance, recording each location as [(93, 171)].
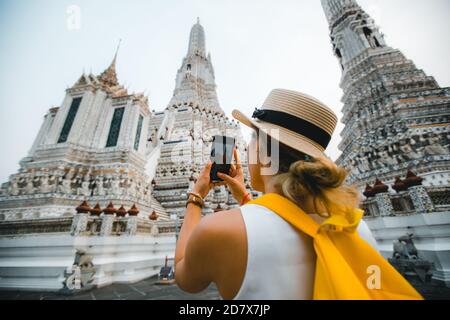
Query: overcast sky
[(256, 45)]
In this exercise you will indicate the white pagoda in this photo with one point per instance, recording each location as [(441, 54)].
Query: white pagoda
[(395, 142), (100, 196), (182, 134)]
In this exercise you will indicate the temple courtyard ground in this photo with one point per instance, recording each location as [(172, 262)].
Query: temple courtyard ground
[(149, 290), (143, 290)]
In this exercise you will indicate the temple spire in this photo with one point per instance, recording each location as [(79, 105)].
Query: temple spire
[(197, 40), (352, 30), (378, 80), (335, 8), (109, 76), (195, 82), (113, 63)]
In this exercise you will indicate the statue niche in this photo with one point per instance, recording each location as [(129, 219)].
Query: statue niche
[(433, 146), (371, 38)]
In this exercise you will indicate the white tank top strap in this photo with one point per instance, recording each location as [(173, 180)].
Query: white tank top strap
[(281, 260)]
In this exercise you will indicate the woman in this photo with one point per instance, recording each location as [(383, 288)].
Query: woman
[(250, 252)]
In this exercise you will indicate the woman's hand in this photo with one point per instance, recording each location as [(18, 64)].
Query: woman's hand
[(235, 181), (203, 184)]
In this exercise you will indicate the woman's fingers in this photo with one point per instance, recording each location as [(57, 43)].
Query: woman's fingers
[(238, 160), (203, 184), (234, 185), (233, 171), (207, 169), (239, 170), (226, 178)]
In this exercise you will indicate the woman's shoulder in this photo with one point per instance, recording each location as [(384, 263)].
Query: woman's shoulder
[(225, 238), (218, 234), (223, 231), (223, 222)]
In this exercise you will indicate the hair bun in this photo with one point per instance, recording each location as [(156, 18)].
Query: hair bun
[(317, 174)]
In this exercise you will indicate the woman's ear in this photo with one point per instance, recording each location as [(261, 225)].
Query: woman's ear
[(254, 166)]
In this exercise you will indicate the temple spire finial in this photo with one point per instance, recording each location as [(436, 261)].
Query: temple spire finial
[(335, 8), (197, 39), (117, 51), (109, 76), (352, 30)]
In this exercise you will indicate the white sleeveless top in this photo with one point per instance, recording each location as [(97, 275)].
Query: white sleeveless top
[(281, 260)]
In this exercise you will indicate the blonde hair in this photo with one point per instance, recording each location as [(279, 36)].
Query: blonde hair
[(301, 177)]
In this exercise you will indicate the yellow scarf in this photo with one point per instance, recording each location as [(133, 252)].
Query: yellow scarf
[(347, 267)]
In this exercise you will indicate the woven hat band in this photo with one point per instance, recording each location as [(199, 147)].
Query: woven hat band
[(295, 124)]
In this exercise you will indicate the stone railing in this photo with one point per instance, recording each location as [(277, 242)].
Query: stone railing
[(110, 225), (370, 208), (402, 203), (87, 225), (440, 196), (35, 226)]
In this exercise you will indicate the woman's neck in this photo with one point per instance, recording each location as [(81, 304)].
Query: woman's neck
[(307, 205), (270, 185)]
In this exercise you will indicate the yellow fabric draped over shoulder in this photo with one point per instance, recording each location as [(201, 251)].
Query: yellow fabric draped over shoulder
[(347, 267)]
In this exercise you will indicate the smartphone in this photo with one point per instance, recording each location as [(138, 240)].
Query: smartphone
[(221, 156)]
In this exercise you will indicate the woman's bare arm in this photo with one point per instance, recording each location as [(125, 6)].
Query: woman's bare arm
[(190, 272), (201, 241)]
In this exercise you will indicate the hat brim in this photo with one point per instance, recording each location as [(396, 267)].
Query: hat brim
[(285, 136)]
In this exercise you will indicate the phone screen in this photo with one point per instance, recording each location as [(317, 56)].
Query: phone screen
[(221, 156)]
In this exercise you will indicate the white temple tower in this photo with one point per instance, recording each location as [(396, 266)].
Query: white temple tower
[(92, 148), (182, 133), (396, 117), (395, 142)]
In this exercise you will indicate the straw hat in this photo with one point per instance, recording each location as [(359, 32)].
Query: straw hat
[(303, 122)]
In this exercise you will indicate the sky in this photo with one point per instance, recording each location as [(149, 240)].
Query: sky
[(256, 46)]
